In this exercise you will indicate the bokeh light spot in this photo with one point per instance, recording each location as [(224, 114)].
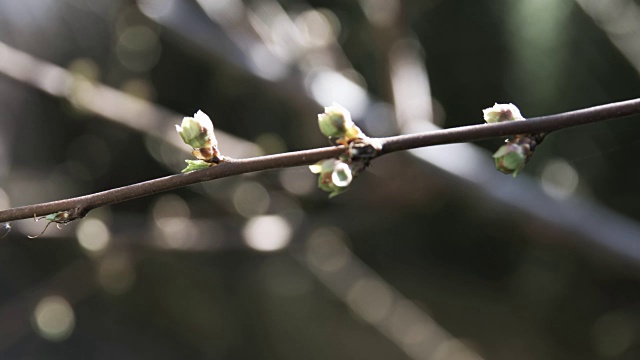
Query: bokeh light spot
[(271, 143), (612, 334), (171, 215), (370, 299), (318, 27), (559, 179), (267, 233), (139, 88), (116, 274), (169, 207), (326, 249), (327, 86), (408, 324), (381, 12), (251, 199), (86, 68), (53, 318), (138, 48), (156, 8), (298, 181), (93, 235)]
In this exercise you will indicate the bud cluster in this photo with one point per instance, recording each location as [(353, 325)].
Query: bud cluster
[(337, 174), (336, 124), (517, 150)]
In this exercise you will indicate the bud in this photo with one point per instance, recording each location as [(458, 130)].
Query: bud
[(502, 112), (335, 176), (197, 132), (336, 123), (510, 158)]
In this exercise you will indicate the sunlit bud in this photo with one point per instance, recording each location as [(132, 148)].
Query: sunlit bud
[(197, 131), (502, 112), (335, 176), (336, 123), (510, 158)]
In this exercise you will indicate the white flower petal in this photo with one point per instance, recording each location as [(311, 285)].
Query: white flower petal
[(203, 120), (315, 168), (502, 112), (341, 175)]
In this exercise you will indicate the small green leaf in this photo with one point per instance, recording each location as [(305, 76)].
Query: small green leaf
[(194, 165), (52, 217)]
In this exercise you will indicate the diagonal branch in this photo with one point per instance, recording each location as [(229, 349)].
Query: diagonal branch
[(79, 206), (542, 124)]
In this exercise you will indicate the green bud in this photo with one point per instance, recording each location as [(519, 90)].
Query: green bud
[(510, 158), (197, 131), (335, 176), (502, 112), (336, 123)]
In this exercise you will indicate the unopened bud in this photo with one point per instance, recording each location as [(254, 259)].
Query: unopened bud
[(197, 132), (334, 177), (510, 158), (336, 123), (502, 112)]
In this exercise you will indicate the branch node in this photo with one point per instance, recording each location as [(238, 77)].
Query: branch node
[(360, 154)]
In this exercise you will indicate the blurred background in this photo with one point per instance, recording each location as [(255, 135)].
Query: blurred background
[(432, 254)]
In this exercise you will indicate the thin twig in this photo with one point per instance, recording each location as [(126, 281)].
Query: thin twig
[(78, 207), (542, 124)]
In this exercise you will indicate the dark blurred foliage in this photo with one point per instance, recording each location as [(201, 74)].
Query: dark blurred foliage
[(414, 261)]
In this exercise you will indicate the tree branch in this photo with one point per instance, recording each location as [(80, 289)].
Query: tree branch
[(79, 206), (542, 124)]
